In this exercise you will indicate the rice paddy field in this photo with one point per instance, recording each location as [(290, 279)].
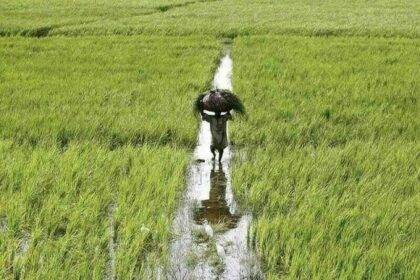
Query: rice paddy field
[(96, 132)]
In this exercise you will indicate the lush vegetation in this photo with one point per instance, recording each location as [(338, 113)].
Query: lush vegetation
[(89, 125), (96, 129), (331, 158), (60, 204), (37, 18), (221, 18), (111, 91)]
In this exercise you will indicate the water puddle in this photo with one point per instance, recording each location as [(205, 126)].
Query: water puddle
[(211, 232)]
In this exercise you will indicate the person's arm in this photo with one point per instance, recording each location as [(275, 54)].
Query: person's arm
[(228, 116), (205, 117)]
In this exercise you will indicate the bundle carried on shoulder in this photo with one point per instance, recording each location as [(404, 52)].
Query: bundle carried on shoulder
[(218, 101)]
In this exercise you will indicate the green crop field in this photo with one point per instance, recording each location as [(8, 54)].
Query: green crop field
[(96, 132), (383, 18), (61, 203), (332, 160), (88, 124)]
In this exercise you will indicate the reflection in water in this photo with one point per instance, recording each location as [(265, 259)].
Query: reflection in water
[(215, 210), (209, 208)]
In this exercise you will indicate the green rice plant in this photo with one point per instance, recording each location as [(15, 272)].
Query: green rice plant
[(231, 18), (146, 201), (61, 201), (95, 138), (37, 18), (325, 91), (106, 90), (331, 169), (96, 131)]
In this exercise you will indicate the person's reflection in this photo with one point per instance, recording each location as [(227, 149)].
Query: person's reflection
[(215, 209)]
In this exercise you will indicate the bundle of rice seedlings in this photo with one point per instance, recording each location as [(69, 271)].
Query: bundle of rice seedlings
[(218, 100)]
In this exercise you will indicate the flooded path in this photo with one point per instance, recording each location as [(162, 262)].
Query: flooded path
[(211, 232)]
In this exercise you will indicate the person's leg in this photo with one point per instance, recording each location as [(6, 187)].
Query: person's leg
[(220, 154), (212, 149)]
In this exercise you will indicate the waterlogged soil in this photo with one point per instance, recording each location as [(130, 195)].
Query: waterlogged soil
[(211, 232)]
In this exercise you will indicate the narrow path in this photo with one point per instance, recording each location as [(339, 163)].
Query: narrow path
[(211, 232)]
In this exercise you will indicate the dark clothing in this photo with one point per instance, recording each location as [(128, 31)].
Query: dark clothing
[(218, 126)]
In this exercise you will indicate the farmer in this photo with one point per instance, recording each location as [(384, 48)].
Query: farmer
[(218, 131), (214, 107)]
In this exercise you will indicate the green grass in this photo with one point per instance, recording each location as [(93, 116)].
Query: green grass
[(327, 159), (87, 123), (110, 91), (331, 171), (37, 18), (61, 201), (326, 91), (381, 18)]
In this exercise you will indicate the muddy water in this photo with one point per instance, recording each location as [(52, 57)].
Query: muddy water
[(211, 232)]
